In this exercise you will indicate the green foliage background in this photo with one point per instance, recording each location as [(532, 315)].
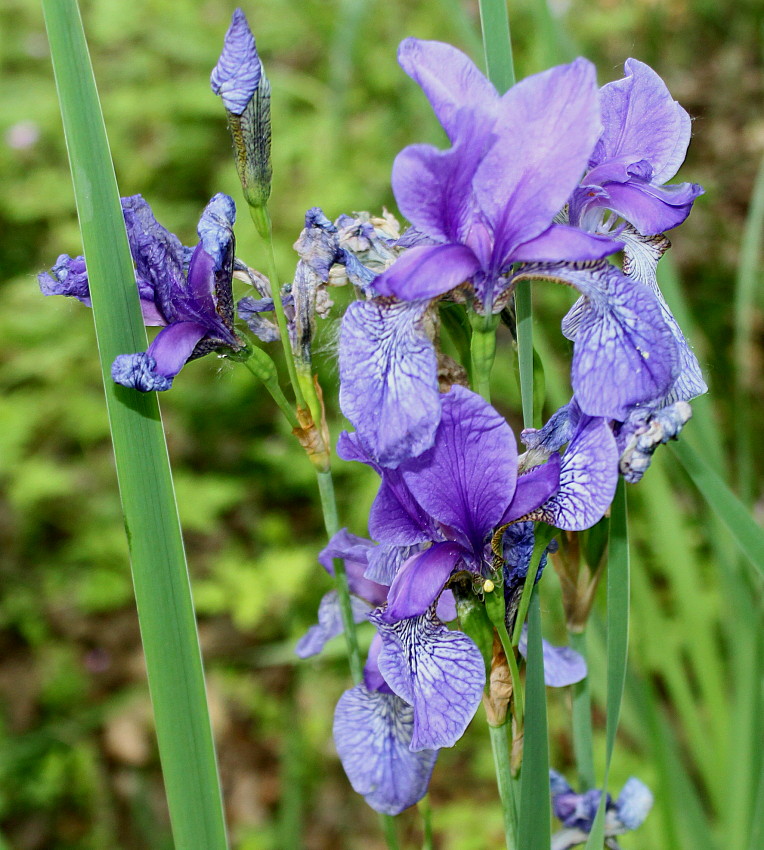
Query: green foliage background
[(78, 767)]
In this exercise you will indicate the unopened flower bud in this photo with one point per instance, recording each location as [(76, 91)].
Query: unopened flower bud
[(239, 79)]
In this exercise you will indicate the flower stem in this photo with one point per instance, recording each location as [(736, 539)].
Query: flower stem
[(500, 746), (264, 369), (426, 812), (582, 719), (331, 522), (262, 221), (482, 351)]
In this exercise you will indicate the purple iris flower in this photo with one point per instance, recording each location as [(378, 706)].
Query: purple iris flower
[(491, 199), (643, 143), (187, 291), (375, 729), (577, 811)]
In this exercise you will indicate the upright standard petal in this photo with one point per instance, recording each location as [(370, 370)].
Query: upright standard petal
[(439, 672), (468, 477), (433, 188), (546, 128), (641, 119), (372, 733), (388, 378), (237, 74), (450, 80)]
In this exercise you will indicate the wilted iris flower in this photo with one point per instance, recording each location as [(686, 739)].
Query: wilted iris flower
[(187, 291), (577, 811)]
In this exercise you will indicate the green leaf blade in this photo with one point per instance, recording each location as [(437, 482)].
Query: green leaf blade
[(160, 575)]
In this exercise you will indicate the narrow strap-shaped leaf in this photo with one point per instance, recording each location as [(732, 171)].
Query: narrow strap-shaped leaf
[(494, 20), (748, 536), (617, 640), (535, 806), (160, 575)]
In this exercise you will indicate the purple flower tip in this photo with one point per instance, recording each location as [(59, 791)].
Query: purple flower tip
[(237, 75)]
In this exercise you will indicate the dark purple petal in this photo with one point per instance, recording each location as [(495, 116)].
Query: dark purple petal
[(237, 74), (396, 518), (641, 118), (329, 623), (561, 242), (427, 271), (158, 255), (533, 489), (174, 345), (354, 551), (546, 128), (372, 733), (467, 479), (651, 209), (420, 580), (165, 357), (588, 477), (388, 379), (440, 672), (450, 80), (562, 665)]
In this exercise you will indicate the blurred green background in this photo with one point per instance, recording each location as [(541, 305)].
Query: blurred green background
[(78, 765)]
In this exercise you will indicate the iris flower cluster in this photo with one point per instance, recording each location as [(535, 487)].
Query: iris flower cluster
[(545, 183)]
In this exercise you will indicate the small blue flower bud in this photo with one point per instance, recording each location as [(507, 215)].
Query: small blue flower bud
[(239, 79)]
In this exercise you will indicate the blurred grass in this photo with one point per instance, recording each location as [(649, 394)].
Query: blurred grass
[(77, 766)]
